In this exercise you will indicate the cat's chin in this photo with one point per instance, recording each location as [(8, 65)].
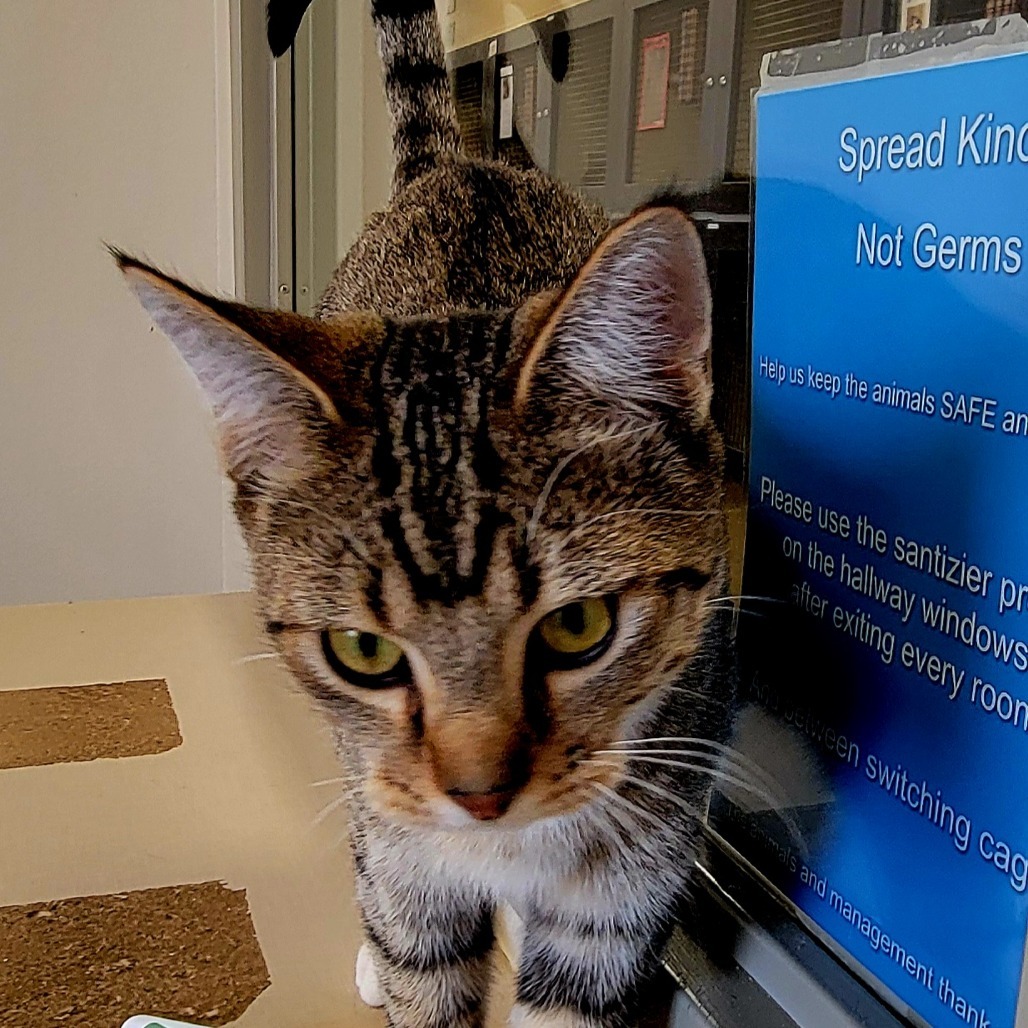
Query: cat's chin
[(445, 816)]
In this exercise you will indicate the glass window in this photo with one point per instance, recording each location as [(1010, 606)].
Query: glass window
[(908, 15), (765, 26), (517, 78), (467, 87), (583, 106), (668, 57), (619, 97)]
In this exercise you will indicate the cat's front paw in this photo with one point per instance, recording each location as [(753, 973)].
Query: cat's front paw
[(367, 978), (528, 1017)]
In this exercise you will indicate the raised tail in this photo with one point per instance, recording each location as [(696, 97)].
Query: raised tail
[(414, 66), (417, 88), (284, 17)]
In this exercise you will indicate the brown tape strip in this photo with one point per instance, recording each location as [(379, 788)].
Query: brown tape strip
[(187, 952), (86, 722)]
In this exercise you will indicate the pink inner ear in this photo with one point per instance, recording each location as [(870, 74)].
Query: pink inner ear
[(663, 270), (689, 309), (634, 327), (687, 274), (268, 414)]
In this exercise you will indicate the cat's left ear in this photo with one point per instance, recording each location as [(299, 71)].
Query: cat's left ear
[(633, 329)]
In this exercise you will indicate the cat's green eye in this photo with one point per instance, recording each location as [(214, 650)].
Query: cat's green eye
[(364, 658), (578, 633)]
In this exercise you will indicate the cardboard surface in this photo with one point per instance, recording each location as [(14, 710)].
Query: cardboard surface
[(86, 722), (236, 803), (190, 948)]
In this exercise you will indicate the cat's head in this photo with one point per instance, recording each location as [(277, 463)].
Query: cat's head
[(485, 542)]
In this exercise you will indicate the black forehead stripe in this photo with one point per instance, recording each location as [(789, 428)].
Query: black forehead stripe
[(485, 461), (454, 369), (431, 426), (274, 627), (529, 577), (489, 522), (435, 397), (384, 464), (373, 593), (504, 337), (423, 586), (683, 578), (402, 401)]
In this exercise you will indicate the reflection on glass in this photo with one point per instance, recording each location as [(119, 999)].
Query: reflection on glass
[(950, 12), (581, 131), (619, 96), (668, 58), (767, 25), (468, 93), (517, 145)]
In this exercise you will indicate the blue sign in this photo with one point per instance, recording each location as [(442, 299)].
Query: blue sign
[(889, 511)]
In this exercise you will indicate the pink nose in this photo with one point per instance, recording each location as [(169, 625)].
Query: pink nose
[(483, 806)]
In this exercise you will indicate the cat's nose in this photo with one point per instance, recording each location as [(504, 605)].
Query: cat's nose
[(484, 806)]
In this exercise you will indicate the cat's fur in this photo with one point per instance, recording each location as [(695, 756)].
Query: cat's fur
[(503, 408)]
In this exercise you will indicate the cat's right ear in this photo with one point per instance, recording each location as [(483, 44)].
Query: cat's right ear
[(271, 417)]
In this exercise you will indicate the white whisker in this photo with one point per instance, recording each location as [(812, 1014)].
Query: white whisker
[(738, 611), (740, 759), (576, 530), (629, 820), (663, 793), (329, 808), (776, 805), (595, 818), (622, 801), (751, 787), (605, 810), (643, 511), (254, 657), (561, 466), (327, 781)]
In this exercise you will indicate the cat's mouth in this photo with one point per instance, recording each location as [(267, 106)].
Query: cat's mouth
[(588, 782)]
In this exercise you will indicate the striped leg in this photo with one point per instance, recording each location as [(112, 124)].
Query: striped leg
[(431, 951), (584, 971)]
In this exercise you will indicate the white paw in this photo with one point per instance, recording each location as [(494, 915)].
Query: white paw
[(367, 978), (523, 1017), (510, 933)]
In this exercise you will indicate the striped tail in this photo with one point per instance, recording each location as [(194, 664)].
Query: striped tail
[(284, 17), (417, 88), (414, 64)]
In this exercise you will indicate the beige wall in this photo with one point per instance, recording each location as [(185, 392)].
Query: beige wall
[(115, 120), (117, 123), (472, 20)]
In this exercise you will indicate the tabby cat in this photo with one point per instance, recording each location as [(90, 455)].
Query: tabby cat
[(482, 496)]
